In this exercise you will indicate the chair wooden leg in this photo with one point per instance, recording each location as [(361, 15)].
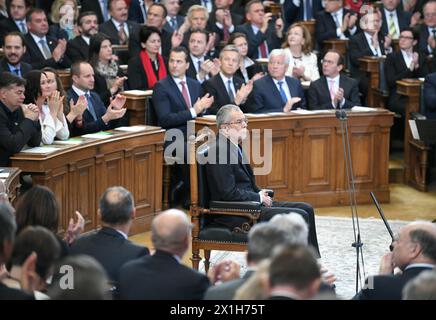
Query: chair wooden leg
[(195, 258), (206, 260)]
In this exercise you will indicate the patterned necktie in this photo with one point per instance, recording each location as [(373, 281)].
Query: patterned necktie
[(23, 28), (45, 49), (90, 106), (230, 91), (282, 92), (122, 34), (199, 65), (392, 28), (262, 48), (104, 12), (16, 71), (185, 95), (173, 21)]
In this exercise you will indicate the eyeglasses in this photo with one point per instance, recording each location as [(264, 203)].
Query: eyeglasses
[(239, 121), (430, 14), (327, 61), (405, 37)]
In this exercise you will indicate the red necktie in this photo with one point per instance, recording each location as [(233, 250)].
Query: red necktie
[(226, 33), (185, 95), (262, 48)]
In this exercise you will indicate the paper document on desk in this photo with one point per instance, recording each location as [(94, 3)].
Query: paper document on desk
[(71, 141), (414, 130), (41, 150), (277, 113), (363, 109), (304, 111), (98, 135), (209, 116), (255, 114), (132, 128), (138, 92)]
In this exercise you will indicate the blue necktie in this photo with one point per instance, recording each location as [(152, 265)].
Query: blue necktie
[(282, 92), (105, 13), (230, 91), (91, 106), (173, 23), (23, 27), (308, 9), (16, 71)]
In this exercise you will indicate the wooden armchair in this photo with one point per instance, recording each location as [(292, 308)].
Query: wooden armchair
[(205, 236)]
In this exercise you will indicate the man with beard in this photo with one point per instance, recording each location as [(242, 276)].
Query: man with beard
[(77, 48), (14, 49)]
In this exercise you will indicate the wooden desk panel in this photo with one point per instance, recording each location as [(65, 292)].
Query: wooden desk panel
[(371, 66), (79, 175), (137, 105), (308, 162)]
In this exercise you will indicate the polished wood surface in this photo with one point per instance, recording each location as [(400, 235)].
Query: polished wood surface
[(411, 89), (339, 45), (65, 76), (371, 66), (79, 175), (307, 156), (11, 183), (137, 104)]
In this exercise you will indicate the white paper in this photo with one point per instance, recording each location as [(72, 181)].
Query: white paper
[(4, 175), (255, 114), (302, 111), (68, 142), (363, 109), (414, 129), (41, 150), (276, 113), (209, 116), (97, 136), (138, 92), (132, 128)]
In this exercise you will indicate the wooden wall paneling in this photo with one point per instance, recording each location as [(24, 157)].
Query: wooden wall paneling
[(59, 184)]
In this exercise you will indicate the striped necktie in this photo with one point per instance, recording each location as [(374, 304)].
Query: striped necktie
[(392, 28)]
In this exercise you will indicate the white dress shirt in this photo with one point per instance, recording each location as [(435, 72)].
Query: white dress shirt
[(284, 86), (37, 39), (86, 39), (340, 16), (376, 52), (407, 58), (195, 61), (225, 80), (177, 81), (52, 128)]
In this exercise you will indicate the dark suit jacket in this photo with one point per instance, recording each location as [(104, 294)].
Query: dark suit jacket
[(109, 29), (25, 67), (294, 14), (251, 71), (135, 12), (226, 290), (254, 41), (77, 49), (161, 276), (403, 21), (101, 88), (167, 27), (319, 93), (14, 136), (137, 77), (35, 57), (110, 249), (423, 37), (7, 25), (93, 5), (430, 96), (216, 87), (266, 96), (56, 32), (388, 287), (169, 105), (89, 124), (7, 293), (326, 27), (396, 69), (236, 20)]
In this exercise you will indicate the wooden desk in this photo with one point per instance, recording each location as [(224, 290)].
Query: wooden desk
[(307, 156), (371, 66), (12, 183), (65, 76), (411, 88), (137, 104), (79, 175)]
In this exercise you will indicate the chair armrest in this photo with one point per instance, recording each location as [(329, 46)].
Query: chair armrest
[(417, 116), (235, 206)]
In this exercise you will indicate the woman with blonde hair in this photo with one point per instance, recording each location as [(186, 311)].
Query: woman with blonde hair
[(63, 16), (303, 63)]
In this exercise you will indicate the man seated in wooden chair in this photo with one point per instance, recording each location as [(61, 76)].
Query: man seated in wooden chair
[(231, 178)]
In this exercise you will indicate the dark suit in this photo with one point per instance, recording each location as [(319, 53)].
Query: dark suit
[(423, 40), (227, 290), (15, 132), (170, 107), (216, 87), (56, 32), (403, 21), (77, 50), (319, 93), (161, 277), (430, 96), (93, 5), (192, 72), (388, 287), (101, 88), (7, 25), (294, 14), (251, 71), (35, 57), (110, 249), (136, 12), (358, 47), (254, 40), (234, 180), (396, 69), (326, 27), (167, 26), (7, 293), (25, 67), (266, 96), (236, 20), (89, 124)]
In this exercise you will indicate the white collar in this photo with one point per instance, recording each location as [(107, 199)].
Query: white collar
[(37, 39), (389, 13), (117, 24), (86, 39), (277, 81), (78, 91), (225, 79), (178, 80), (420, 265), (335, 79), (122, 233)]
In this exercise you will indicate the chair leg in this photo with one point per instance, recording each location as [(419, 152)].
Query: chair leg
[(195, 258), (206, 260)]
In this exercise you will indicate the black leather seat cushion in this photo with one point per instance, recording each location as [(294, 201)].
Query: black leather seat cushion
[(221, 234)]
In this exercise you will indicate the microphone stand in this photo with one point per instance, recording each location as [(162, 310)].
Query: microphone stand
[(360, 264)]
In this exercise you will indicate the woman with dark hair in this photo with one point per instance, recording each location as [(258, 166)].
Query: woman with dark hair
[(39, 207), (109, 79), (303, 63), (149, 67), (42, 90), (247, 69)]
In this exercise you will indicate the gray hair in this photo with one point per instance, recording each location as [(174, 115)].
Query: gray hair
[(280, 52), (169, 235), (224, 114), (293, 225), (426, 240), (262, 239), (423, 287), (116, 205), (230, 48), (196, 7)]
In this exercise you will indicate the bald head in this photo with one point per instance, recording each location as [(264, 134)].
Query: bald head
[(171, 232)]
